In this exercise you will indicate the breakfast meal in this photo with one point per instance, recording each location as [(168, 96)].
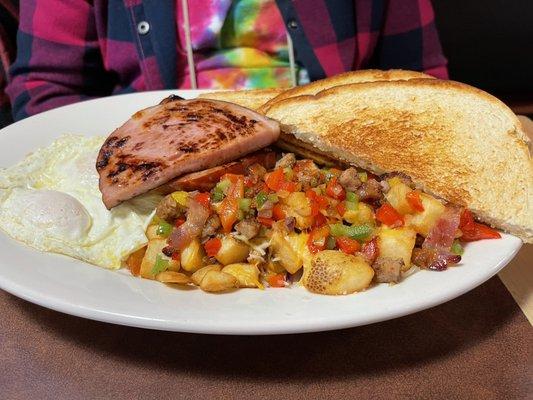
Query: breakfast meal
[(354, 180)]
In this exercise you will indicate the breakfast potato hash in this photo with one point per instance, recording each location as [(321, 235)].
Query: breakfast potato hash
[(336, 231)]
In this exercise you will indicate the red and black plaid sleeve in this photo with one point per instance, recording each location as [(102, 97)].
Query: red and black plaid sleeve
[(8, 33), (409, 39), (333, 36), (58, 60)]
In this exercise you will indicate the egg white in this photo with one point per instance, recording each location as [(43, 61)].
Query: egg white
[(51, 201)]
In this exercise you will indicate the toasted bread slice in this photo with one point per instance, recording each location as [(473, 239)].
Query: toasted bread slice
[(361, 76), (455, 142), (252, 99)]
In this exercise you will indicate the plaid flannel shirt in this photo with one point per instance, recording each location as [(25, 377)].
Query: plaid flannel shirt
[(8, 31), (72, 50)]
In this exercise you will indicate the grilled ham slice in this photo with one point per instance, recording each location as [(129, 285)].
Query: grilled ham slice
[(174, 138)]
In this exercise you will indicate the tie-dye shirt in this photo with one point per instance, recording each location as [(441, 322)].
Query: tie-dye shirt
[(236, 44)]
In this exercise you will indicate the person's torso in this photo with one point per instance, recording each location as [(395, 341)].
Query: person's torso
[(239, 43), (235, 44)]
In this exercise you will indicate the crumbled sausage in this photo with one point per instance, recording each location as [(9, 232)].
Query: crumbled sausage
[(211, 226), (257, 171), (369, 190), (349, 179), (287, 161), (266, 210), (385, 187), (307, 173), (423, 257), (168, 209), (387, 269), (248, 228), (290, 224)]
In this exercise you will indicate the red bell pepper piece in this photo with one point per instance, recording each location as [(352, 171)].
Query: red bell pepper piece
[(319, 220), (204, 199), (348, 245), (212, 246), (335, 190), (265, 221), (341, 208), (413, 198), (386, 214), (278, 213), (288, 186), (277, 280), (317, 239), (473, 230), (274, 179), (317, 201)]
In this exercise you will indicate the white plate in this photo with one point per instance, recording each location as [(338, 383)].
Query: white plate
[(76, 288)]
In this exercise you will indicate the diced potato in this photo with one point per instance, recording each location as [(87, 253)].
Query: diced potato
[(397, 243), (215, 281), (173, 277), (275, 267), (192, 256), (298, 202), (199, 275), (173, 265), (232, 251), (154, 249), (364, 215), (422, 222), (396, 196), (298, 242), (134, 261), (297, 205), (334, 272), (284, 253), (247, 274)]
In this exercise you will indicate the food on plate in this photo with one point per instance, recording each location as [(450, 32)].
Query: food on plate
[(361, 76), (334, 230), (208, 178), (455, 142), (252, 99), (174, 138), (387, 172), (50, 201)]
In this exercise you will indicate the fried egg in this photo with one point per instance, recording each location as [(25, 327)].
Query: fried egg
[(51, 201)]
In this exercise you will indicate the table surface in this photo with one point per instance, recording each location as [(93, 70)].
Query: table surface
[(476, 346)]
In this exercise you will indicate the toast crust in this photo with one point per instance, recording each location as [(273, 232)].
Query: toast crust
[(455, 141), (252, 99), (360, 76)]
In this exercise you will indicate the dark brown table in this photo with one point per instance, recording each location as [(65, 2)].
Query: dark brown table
[(478, 346)]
